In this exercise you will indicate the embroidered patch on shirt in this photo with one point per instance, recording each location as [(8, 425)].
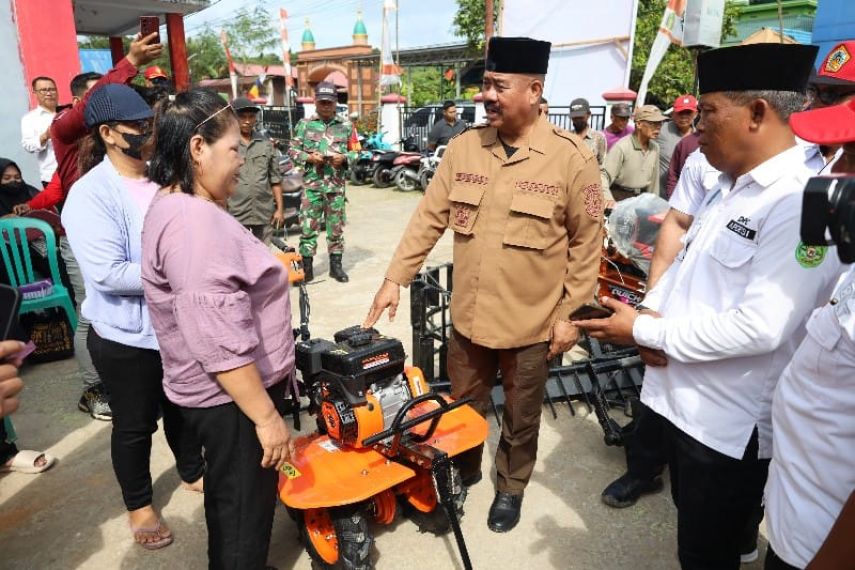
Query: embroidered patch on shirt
[(741, 230), (810, 256), (538, 188), (461, 216), (471, 178), (593, 200)]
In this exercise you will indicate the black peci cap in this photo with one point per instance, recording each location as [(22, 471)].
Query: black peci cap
[(517, 55), (775, 67)]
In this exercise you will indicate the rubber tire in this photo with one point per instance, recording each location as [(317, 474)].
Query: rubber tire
[(404, 182), (381, 177), (354, 539), (425, 178), (434, 522), (357, 177)]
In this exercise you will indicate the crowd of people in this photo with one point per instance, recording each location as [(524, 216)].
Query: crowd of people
[(748, 333)]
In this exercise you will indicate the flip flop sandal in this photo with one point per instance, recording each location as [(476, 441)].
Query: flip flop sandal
[(162, 542), (25, 462)]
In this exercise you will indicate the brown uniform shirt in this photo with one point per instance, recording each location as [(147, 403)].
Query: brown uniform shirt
[(527, 233)]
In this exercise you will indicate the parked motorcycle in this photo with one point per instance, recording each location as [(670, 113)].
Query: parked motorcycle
[(415, 172), (292, 190), (362, 170), (429, 166), (383, 176)]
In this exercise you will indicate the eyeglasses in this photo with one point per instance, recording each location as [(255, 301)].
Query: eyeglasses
[(45, 91), (214, 114), (828, 97)]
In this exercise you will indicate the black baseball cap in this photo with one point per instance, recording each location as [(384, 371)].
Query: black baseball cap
[(244, 104), (579, 108), (115, 102), (325, 91)]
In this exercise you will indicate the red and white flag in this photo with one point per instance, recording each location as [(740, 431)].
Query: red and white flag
[(232, 71), (389, 72), (286, 46), (670, 32)]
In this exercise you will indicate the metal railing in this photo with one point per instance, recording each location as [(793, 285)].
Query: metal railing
[(416, 122), (276, 121)]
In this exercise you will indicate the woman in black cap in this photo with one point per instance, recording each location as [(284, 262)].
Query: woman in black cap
[(103, 218)]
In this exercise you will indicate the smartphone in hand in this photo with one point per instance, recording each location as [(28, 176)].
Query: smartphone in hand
[(591, 311), (150, 25)]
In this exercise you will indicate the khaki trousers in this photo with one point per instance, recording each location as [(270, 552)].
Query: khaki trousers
[(472, 369)]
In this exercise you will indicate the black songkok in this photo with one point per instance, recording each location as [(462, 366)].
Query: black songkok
[(756, 67), (517, 55)]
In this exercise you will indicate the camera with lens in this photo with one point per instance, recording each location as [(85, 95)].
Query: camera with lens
[(828, 214)]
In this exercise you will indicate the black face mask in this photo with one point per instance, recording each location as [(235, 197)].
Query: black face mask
[(135, 144), (14, 187)]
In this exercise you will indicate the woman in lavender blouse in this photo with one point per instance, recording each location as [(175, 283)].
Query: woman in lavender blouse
[(103, 217), (220, 308)]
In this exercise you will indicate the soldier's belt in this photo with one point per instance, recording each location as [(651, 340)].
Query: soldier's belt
[(619, 188)]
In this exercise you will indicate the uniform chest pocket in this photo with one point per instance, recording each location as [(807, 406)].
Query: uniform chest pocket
[(731, 251), (465, 204), (314, 136), (529, 221)]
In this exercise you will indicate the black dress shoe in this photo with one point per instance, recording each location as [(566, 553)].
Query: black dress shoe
[(625, 491), (504, 512)]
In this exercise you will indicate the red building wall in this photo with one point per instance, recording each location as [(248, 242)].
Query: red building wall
[(48, 42)]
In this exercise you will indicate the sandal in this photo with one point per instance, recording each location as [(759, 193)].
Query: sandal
[(163, 540), (26, 462)]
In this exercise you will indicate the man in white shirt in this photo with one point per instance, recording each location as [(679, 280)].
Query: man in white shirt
[(35, 127), (731, 308), (810, 495)]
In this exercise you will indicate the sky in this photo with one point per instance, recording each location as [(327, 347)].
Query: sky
[(420, 22)]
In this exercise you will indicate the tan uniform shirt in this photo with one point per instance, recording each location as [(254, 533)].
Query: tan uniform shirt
[(527, 233), (631, 167)]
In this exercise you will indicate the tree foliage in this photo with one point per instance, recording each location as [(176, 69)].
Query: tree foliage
[(421, 85), (253, 38), (252, 35), (676, 73), (469, 22)]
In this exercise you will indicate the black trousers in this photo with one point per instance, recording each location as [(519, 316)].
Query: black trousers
[(717, 498), (240, 495), (134, 379), (643, 443), (773, 562)]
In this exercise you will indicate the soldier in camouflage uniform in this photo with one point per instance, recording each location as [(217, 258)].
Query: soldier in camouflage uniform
[(321, 144)]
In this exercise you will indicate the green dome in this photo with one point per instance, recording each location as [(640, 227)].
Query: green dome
[(308, 38), (359, 28)]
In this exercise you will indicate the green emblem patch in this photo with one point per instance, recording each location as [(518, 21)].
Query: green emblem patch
[(810, 256)]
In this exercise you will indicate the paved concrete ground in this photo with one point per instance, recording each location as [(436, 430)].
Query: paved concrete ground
[(72, 516)]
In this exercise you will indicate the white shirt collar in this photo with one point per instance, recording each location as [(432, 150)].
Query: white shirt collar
[(766, 173)]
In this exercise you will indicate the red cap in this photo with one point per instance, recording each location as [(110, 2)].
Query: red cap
[(154, 71), (830, 125), (685, 103), (838, 67)]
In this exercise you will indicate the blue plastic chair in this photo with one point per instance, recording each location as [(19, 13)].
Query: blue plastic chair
[(15, 250)]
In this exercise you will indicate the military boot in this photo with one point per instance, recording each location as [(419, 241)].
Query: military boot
[(307, 269), (336, 272)]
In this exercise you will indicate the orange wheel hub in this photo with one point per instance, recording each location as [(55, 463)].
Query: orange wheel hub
[(321, 533), (385, 507), (419, 492)]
